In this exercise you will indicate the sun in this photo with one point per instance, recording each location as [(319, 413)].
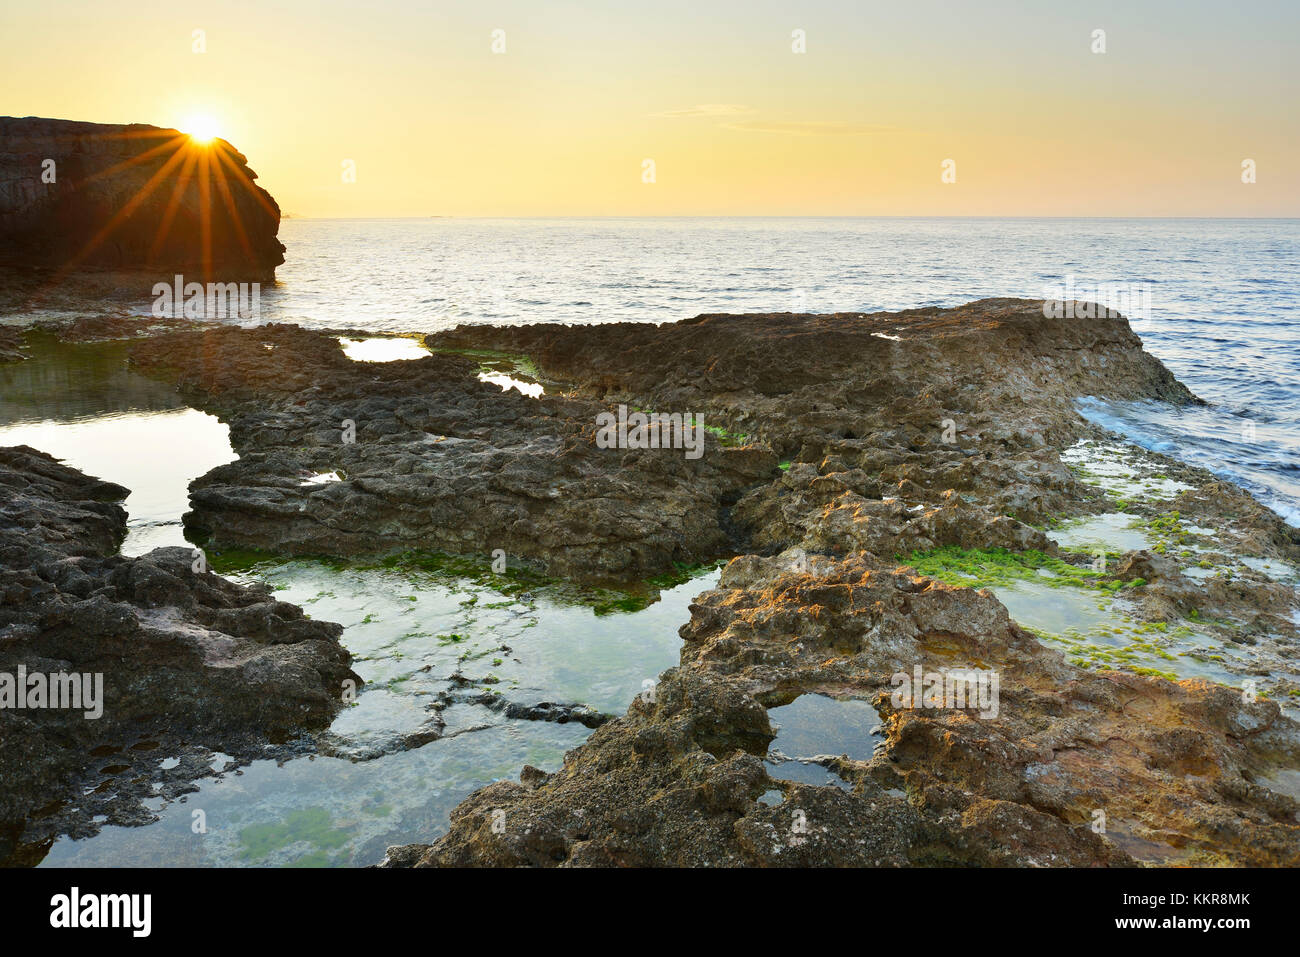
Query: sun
[(201, 128)]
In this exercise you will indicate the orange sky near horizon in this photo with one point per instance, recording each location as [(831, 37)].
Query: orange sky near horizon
[(736, 122)]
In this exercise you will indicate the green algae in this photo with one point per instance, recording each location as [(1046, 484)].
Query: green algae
[(725, 437), (226, 560), (517, 583), (1153, 673), (1169, 532), (1074, 608), (683, 572), (314, 826), (494, 360), (991, 567), (1122, 474), (1147, 648)]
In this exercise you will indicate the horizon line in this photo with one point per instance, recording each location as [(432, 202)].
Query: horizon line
[(785, 216)]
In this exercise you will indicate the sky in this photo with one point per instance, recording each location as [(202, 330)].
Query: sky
[(562, 122)]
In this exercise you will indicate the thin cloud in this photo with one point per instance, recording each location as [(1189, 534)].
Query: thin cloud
[(709, 109), (812, 128)]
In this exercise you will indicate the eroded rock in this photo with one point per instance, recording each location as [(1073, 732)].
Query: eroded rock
[(180, 656), (1177, 772), (906, 433), (429, 457)]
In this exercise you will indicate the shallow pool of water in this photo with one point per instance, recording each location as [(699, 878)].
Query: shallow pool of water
[(84, 405), (1056, 609), (815, 725), (154, 454), (1113, 531), (323, 811), (1274, 568), (508, 382), (440, 655), (382, 349), (1096, 630), (1113, 467)]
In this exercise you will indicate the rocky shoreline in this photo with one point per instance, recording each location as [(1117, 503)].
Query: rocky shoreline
[(1179, 772), (857, 471), (188, 662)]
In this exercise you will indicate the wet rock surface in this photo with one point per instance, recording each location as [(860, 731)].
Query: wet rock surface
[(435, 460), (954, 407), (11, 344), (132, 197), (190, 662), (937, 413)]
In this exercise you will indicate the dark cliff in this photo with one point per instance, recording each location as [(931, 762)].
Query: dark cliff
[(79, 195)]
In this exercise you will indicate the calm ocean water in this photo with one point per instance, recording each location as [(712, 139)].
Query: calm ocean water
[(1224, 310)]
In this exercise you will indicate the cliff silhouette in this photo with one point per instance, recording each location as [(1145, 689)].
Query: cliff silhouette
[(77, 196)]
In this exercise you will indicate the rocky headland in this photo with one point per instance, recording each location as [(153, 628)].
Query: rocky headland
[(77, 196)]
